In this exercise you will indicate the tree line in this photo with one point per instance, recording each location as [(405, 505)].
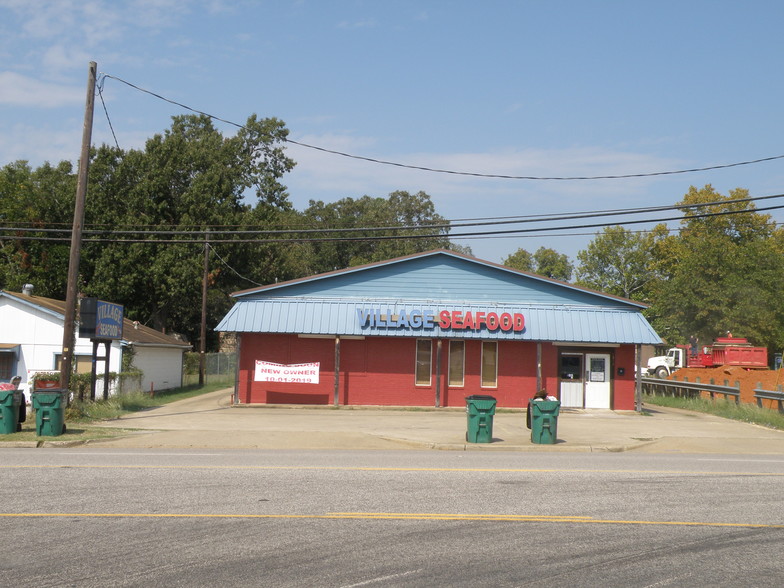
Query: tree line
[(150, 213), (720, 271)]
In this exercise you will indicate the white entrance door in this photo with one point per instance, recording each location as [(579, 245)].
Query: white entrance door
[(571, 376), (597, 380)]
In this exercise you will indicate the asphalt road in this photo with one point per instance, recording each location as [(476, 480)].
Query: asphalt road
[(111, 517)]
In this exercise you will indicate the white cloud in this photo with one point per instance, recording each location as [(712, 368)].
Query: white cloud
[(44, 20), (358, 24), (38, 144), (329, 177), (59, 58), (20, 90), (317, 171)]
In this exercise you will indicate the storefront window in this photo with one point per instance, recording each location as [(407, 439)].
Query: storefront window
[(489, 364), (572, 367), (456, 363), (424, 359)]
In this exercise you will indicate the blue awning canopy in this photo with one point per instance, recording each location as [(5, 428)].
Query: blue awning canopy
[(397, 318)]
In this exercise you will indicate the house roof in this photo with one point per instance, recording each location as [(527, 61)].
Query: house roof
[(332, 303), (313, 282), (133, 332)]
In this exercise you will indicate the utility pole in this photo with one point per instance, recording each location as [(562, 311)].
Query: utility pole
[(203, 333), (76, 234)]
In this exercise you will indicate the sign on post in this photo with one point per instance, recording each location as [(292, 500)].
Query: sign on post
[(100, 319)]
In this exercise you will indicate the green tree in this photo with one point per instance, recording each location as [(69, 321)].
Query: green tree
[(374, 229), (619, 262), (186, 180), (520, 260), (545, 262), (31, 201), (721, 272), (551, 264)]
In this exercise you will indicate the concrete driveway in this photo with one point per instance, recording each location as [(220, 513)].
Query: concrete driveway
[(211, 421)]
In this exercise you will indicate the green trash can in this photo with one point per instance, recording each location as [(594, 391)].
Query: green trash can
[(10, 400), (543, 416), (480, 410), (49, 408)]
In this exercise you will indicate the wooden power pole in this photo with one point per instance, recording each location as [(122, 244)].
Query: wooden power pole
[(76, 234), (203, 331)]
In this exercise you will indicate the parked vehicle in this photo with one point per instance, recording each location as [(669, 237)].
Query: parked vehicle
[(735, 351)]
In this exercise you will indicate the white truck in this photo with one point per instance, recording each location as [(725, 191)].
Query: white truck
[(736, 351), (662, 366)]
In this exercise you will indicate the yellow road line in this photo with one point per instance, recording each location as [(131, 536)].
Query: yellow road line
[(399, 516)]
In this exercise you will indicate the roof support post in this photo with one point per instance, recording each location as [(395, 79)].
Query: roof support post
[(538, 366), (638, 378), (438, 373), (336, 394), (238, 351)]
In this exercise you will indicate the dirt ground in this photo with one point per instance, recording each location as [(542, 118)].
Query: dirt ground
[(748, 379)]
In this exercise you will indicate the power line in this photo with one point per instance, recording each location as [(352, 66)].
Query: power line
[(449, 225), (454, 172), (109, 120), (450, 236), (224, 262)]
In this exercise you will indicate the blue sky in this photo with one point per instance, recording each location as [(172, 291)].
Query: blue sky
[(534, 88)]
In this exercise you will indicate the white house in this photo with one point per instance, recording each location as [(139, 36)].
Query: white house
[(31, 338)]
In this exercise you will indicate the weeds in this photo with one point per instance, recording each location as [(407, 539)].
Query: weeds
[(120, 404), (748, 413), (85, 412)]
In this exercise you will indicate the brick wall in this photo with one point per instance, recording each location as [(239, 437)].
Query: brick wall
[(380, 371)]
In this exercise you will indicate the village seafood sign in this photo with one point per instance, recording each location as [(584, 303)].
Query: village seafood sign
[(100, 320), (429, 319)]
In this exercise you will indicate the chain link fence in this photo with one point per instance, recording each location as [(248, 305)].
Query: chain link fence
[(219, 368)]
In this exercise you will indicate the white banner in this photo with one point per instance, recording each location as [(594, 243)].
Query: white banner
[(299, 373)]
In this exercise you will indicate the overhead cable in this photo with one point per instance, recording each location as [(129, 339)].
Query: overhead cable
[(214, 236), (449, 225), (455, 172)]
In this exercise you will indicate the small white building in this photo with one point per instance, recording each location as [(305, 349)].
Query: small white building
[(31, 339)]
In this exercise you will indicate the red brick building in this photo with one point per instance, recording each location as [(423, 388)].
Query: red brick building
[(429, 330)]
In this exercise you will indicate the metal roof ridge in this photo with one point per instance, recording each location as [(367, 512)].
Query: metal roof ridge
[(433, 253), (414, 301)]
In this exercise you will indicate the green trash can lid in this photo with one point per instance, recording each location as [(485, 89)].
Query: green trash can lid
[(480, 397)]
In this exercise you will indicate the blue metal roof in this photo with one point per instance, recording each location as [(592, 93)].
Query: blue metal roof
[(437, 275), (328, 304), (568, 324)]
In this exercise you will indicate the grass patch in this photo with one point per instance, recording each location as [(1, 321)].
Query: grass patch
[(747, 413), (79, 415), (73, 432), (116, 406)]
